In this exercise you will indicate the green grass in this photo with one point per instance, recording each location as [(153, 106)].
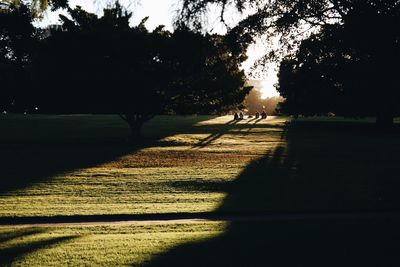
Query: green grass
[(84, 165), (195, 164), (105, 245), (200, 164)]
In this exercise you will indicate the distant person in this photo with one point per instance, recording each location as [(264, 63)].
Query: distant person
[(235, 116), (264, 115), (241, 116), (257, 115)]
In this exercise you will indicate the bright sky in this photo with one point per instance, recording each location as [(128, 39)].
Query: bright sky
[(161, 13)]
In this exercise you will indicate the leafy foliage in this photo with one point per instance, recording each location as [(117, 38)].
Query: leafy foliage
[(338, 52), (37, 6), (17, 41), (93, 64), (347, 68)]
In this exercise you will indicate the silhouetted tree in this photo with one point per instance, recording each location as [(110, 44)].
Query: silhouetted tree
[(102, 65), (366, 36), (347, 68), (203, 73), (17, 42), (37, 6), (308, 86)]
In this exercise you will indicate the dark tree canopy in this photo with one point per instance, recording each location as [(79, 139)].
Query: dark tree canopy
[(341, 55), (17, 42), (348, 68), (37, 6), (203, 73), (93, 64)]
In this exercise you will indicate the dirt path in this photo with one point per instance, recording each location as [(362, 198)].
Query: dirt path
[(192, 218)]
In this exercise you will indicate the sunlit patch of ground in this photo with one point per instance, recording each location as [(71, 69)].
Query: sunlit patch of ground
[(187, 171), (105, 245)]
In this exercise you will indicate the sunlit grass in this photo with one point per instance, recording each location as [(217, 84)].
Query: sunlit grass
[(105, 245), (186, 171), (200, 164)]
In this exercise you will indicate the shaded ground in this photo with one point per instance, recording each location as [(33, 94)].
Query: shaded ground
[(163, 218), (322, 168), (36, 148), (293, 243)]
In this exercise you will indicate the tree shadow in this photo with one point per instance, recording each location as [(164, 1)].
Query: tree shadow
[(232, 127), (10, 235), (316, 170), (294, 243), (214, 136), (9, 254), (26, 162), (252, 119), (253, 124), (27, 166)]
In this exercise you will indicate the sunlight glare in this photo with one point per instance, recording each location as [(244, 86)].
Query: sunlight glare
[(268, 89)]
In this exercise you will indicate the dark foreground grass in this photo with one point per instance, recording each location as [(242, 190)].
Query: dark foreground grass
[(323, 167), (294, 243)]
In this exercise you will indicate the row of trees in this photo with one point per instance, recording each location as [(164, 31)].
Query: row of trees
[(93, 64), (340, 56)]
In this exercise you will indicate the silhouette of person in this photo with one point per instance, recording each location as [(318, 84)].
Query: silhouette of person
[(257, 115), (264, 115), (241, 116), (235, 116)]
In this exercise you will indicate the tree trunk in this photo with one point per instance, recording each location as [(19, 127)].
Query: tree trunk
[(384, 120), (135, 130), (136, 122)]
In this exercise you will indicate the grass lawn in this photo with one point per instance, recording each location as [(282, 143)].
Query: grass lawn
[(105, 245), (86, 165), (53, 166)]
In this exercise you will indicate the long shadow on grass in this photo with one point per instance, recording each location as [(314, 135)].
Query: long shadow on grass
[(10, 253), (28, 163), (214, 136), (232, 127), (318, 169), (27, 166)]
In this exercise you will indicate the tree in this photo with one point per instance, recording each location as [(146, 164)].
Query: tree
[(37, 6), (203, 73), (369, 41), (17, 41), (103, 65), (348, 68)]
